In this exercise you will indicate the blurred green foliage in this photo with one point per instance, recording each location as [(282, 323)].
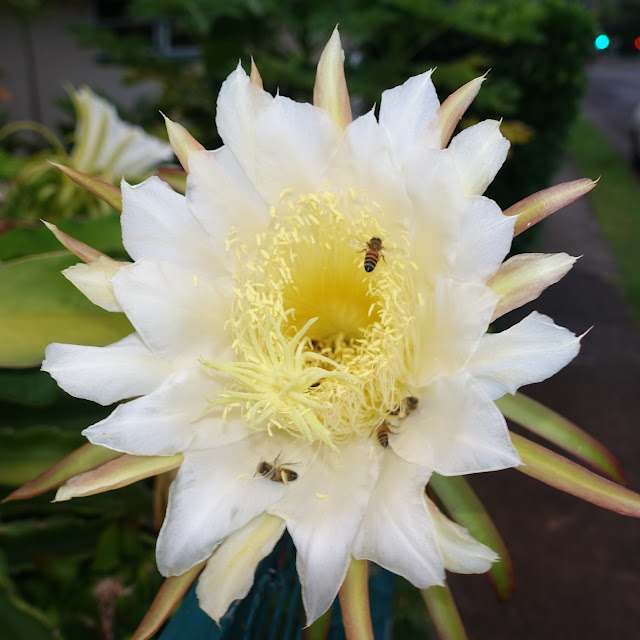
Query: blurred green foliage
[(536, 51), (63, 567)]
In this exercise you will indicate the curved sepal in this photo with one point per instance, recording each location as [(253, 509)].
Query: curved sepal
[(552, 426), (105, 191), (182, 142), (538, 206), (561, 473), (454, 107), (170, 594), (117, 473), (330, 91), (444, 613), (464, 506), (175, 178), (523, 277), (80, 249), (87, 457), (255, 76)]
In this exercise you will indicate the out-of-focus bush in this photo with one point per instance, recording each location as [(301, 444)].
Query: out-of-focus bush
[(536, 51)]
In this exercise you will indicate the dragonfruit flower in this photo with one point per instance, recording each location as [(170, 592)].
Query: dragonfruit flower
[(311, 334), (109, 148)]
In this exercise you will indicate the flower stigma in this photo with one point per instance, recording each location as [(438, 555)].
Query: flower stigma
[(314, 333)]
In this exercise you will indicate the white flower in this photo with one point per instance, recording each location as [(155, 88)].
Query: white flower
[(107, 147), (280, 368)]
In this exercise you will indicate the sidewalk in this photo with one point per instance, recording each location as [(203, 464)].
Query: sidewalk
[(577, 566)]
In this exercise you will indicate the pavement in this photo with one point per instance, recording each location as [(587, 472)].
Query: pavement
[(577, 566)]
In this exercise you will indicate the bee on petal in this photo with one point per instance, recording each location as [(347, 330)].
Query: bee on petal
[(276, 472)]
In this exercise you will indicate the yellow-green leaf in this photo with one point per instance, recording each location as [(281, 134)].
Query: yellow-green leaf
[(464, 506), (551, 425), (39, 306), (561, 473)]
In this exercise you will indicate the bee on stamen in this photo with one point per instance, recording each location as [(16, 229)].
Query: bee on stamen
[(407, 406), (382, 433), (374, 251)]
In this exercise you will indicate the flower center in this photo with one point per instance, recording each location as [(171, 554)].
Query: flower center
[(315, 333)]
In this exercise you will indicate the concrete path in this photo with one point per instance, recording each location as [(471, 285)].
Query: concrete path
[(577, 566)]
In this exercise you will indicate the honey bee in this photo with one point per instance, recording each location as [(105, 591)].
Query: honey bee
[(276, 472), (407, 406), (382, 433), (374, 251)]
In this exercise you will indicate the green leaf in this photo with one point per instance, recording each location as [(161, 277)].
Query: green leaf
[(464, 506), (28, 452), (39, 306), (444, 613), (83, 459), (550, 425), (28, 386), (561, 473), (103, 234), (20, 621)]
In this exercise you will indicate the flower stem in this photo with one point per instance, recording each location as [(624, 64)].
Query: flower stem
[(444, 613), (354, 602)]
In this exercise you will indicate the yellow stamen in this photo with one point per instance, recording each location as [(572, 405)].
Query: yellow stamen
[(313, 332)]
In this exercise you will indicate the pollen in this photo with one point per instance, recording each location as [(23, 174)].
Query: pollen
[(314, 333)]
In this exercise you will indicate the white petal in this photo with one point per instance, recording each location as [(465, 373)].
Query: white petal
[(455, 430), (105, 142), (178, 315), (407, 110), (434, 188), (239, 103), (94, 281), (323, 512), (105, 375), (219, 195), (485, 239), (214, 494), (294, 142), (479, 151), (530, 351), (229, 573), (461, 552), (169, 420), (447, 328), (396, 531), (365, 161), (156, 223)]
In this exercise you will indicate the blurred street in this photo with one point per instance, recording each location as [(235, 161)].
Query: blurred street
[(613, 90), (577, 566)]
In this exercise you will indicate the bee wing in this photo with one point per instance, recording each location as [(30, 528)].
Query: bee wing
[(394, 253), (357, 244)]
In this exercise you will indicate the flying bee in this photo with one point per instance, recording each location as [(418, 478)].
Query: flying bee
[(407, 406), (374, 251), (276, 472), (382, 433)]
